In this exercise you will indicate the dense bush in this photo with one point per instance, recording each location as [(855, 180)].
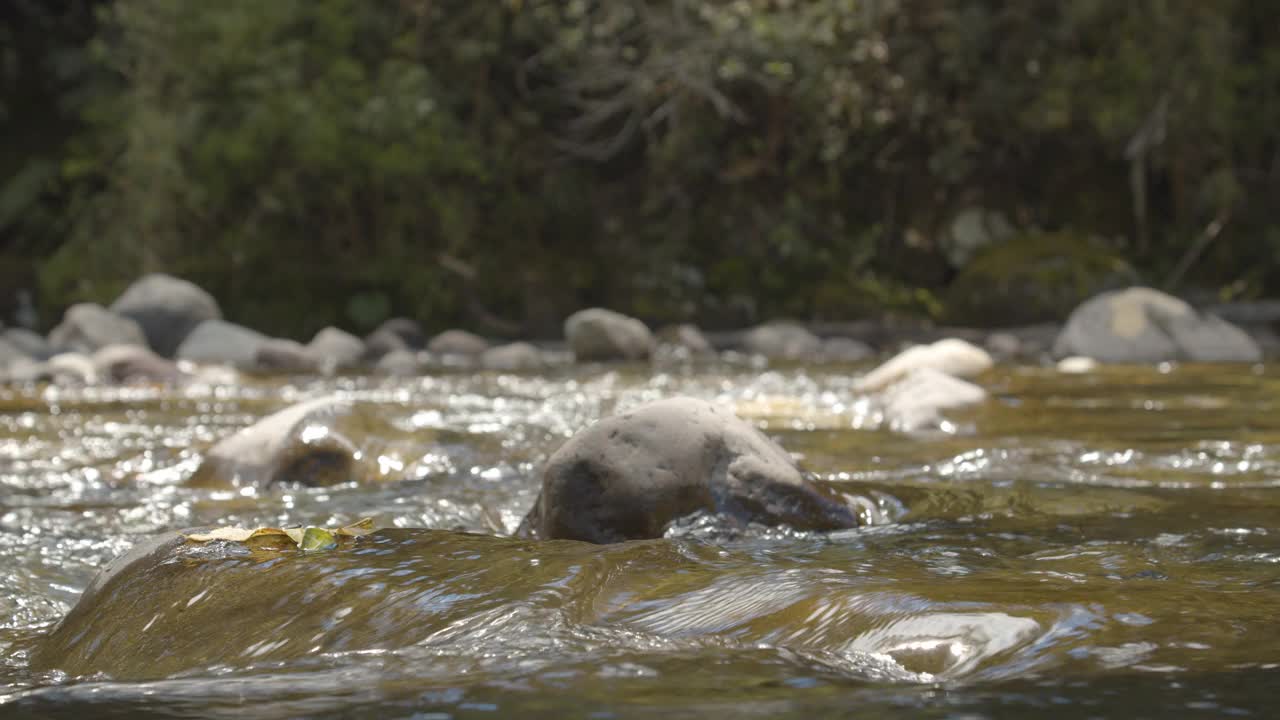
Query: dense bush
[(501, 163)]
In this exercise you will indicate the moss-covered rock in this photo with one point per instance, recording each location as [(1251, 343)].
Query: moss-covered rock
[(1034, 278)]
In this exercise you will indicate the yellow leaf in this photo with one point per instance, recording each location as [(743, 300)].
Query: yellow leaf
[(356, 529), (295, 534), (314, 538)]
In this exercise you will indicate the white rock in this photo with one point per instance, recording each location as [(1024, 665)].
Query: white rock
[(73, 366), (1077, 365), (951, 356), (918, 400)]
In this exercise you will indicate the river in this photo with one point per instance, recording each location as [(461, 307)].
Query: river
[(1099, 545)]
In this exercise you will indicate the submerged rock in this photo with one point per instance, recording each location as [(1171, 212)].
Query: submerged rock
[(599, 334), (781, 341), (628, 476), (951, 356), (304, 444), (1141, 325), (218, 341), (167, 309), (87, 327)]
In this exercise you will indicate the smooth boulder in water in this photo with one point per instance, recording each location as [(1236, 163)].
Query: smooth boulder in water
[(1141, 325), (303, 443), (599, 334), (628, 476)]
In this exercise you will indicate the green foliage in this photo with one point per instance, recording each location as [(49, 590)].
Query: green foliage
[(503, 163)]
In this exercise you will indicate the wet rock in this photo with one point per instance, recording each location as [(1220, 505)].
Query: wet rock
[(29, 342), (781, 341), (401, 363), (171, 606), (512, 356), (953, 357), (284, 356), (457, 342), (167, 309), (628, 476), (841, 349), (87, 327), (70, 368), (1141, 325), (134, 363), (304, 444), (599, 334), (917, 400), (335, 348), (218, 341)]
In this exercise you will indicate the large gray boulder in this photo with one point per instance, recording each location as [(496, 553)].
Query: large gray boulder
[(87, 327), (218, 341), (457, 342), (1141, 325), (310, 443), (167, 308), (599, 334), (781, 341), (628, 476), (336, 348)]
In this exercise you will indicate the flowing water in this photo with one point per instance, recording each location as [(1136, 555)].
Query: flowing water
[(1105, 545)]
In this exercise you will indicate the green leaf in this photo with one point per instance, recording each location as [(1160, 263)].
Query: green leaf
[(315, 539)]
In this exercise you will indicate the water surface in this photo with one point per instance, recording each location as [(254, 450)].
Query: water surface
[(1081, 546)]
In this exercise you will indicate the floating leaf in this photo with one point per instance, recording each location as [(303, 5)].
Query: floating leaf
[(356, 529), (311, 538), (235, 534), (314, 538)]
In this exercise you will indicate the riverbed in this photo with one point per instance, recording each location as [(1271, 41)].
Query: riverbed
[(1105, 544)]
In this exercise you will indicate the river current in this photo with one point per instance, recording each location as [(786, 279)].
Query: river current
[(1098, 545)]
